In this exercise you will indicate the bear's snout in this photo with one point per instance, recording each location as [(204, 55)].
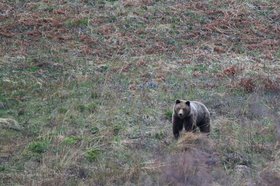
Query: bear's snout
[(181, 113)]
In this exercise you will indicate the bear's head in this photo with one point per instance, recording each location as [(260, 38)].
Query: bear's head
[(182, 108)]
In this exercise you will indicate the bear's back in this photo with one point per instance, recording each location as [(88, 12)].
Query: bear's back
[(200, 110)]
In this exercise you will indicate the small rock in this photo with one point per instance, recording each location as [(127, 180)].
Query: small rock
[(8, 123), (243, 171)]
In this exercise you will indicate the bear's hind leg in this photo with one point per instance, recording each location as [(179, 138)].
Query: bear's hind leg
[(205, 127)]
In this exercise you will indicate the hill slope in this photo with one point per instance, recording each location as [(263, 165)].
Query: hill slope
[(87, 89)]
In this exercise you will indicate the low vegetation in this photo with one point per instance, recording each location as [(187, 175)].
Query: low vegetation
[(87, 90)]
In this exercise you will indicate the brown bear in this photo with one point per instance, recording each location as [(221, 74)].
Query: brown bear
[(190, 114)]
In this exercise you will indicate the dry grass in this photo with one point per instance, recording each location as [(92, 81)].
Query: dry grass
[(91, 84)]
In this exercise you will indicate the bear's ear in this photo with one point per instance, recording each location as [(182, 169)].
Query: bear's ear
[(188, 103), (178, 101)]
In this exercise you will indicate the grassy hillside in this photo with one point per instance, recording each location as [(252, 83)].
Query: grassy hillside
[(87, 90)]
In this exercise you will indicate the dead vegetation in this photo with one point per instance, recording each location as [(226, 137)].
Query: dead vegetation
[(88, 87)]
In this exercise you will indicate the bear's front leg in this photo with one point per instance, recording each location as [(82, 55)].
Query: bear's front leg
[(177, 127), (176, 133), (189, 124)]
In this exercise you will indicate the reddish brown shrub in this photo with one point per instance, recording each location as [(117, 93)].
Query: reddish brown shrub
[(271, 85), (248, 84), (230, 71)]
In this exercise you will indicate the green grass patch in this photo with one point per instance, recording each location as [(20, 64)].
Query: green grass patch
[(168, 114), (99, 78), (3, 168), (94, 130), (39, 146), (200, 68), (91, 107), (71, 140), (117, 129), (62, 110), (77, 22), (92, 154), (159, 135)]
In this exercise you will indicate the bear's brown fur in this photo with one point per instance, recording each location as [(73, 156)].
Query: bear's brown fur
[(190, 114)]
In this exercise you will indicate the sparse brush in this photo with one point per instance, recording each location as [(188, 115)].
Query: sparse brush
[(190, 140), (97, 78)]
